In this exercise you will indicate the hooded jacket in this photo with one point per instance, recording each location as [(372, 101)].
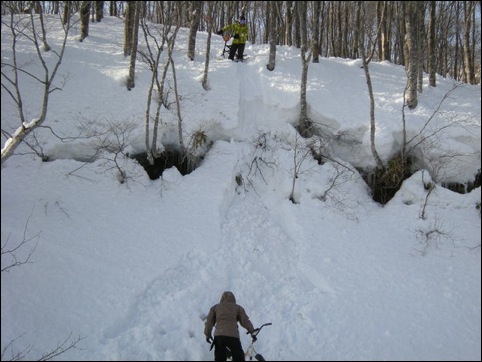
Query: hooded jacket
[(226, 315), (240, 32)]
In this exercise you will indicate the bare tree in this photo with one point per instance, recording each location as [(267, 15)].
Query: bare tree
[(129, 27), (36, 6), (431, 57), (360, 19), (196, 7), (67, 12), (272, 36), (135, 40), (384, 39), (157, 85), (315, 37), (110, 141), (11, 80), (151, 56), (176, 91), (84, 19), (411, 55), (99, 11), (288, 38), (210, 23), (305, 124), (420, 30), (300, 154), (469, 71)]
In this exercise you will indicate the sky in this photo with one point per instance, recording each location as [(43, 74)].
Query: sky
[(129, 270)]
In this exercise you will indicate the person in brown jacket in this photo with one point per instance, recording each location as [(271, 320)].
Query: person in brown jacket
[(225, 316)]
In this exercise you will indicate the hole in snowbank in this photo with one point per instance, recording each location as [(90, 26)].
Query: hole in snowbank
[(170, 157)]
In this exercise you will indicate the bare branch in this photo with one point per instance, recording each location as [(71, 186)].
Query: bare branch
[(61, 348), (432, 236), (429, 120), (12, 253), (25, 27)]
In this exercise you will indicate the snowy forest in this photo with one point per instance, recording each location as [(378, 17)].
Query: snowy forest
[(441, 37), (436, 37), (340, 164)]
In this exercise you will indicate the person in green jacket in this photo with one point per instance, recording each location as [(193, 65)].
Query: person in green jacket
[(240, 34)]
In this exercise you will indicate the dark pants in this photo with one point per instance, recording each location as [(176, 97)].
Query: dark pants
[(234, 345), (239, 48)]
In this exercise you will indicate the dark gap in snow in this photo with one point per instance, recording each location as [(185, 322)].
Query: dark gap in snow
[(170, 157), (386, 183), (463, 188)]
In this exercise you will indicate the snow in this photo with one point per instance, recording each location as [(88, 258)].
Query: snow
[(132, 269)]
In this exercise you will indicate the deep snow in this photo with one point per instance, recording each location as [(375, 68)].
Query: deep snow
[(133, 268)]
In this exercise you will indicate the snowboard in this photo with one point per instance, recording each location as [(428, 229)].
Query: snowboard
[(245, 58)]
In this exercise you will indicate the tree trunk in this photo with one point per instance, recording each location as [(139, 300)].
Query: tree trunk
[(46, 46), (297, 26), (196, 7), (99, 11), (133, 52), (113, 8), (431, 56), (67, 12), (84, 19), (386, 31), (272, 37), (305, 125), (176, 93), (468, 64), (315, 38), (10, 82), (420, 16), (210, 21), (129, 27), (411, 54), (288, 39), (360, 19), (455, 73)]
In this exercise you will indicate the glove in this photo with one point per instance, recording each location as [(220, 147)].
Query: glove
[(253, 333), (209, 339), (220, 32), (236, 36)]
